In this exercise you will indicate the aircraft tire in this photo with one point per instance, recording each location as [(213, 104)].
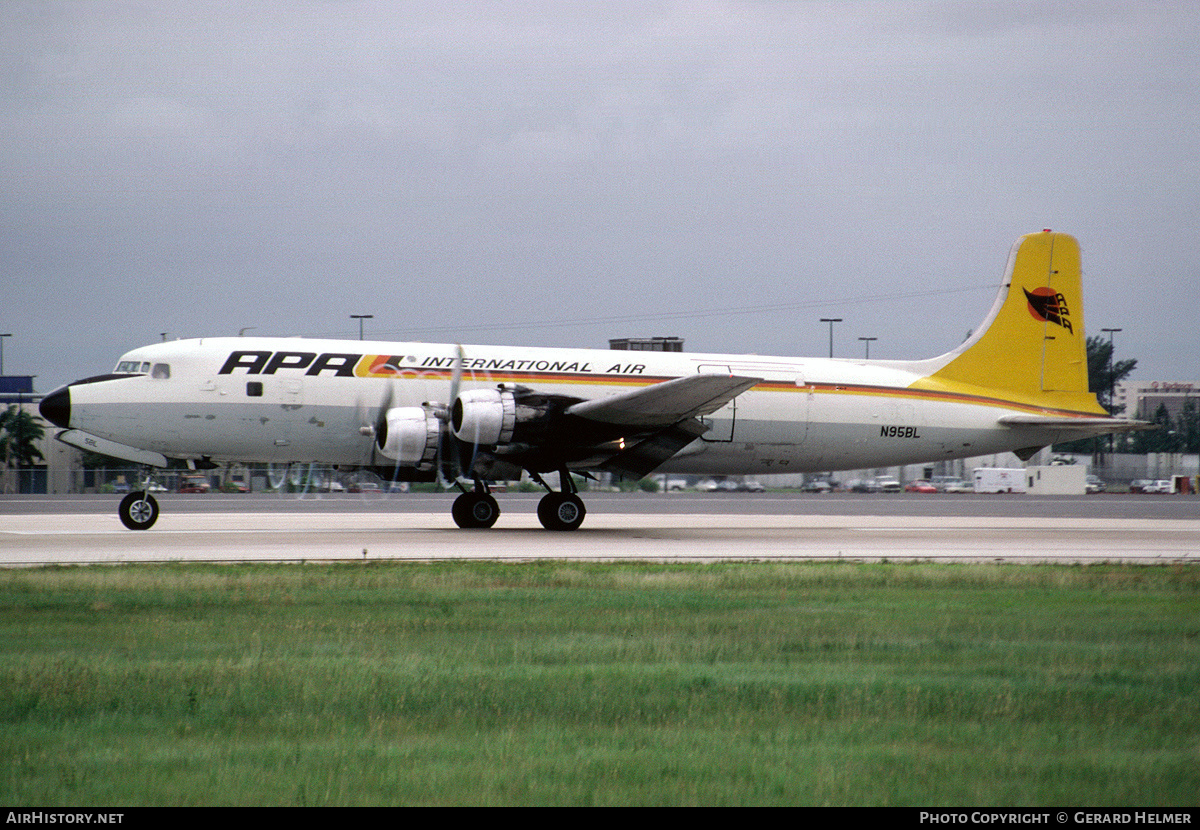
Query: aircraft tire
[(475, 510), (561, 511), (138, 511)]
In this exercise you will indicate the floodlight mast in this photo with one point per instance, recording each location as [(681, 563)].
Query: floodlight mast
[(831, 321)]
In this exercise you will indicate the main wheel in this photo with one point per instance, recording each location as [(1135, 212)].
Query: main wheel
[(475, 510), (561, 511), (138, 511)]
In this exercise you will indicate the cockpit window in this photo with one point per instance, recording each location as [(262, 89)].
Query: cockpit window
[(139, 367), (132, 367)]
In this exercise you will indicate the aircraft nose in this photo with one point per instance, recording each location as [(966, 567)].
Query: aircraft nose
[(56, 407)]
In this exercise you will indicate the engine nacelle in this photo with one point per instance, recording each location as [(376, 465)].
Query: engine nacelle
[(409, 436), (484, 416)]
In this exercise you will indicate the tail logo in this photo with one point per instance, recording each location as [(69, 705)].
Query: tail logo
[(1048, 306)]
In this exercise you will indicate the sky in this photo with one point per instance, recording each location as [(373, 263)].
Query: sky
[(562, 173)]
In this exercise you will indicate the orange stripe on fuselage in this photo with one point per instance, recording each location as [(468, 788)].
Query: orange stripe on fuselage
[(634, 381)]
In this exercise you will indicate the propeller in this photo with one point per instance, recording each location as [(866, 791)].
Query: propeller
[(373, 423), (449, 453)]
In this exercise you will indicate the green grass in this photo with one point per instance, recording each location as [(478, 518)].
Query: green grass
[(558, 683)]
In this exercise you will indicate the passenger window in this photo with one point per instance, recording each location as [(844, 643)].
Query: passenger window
[(162, 371), (254, 389)]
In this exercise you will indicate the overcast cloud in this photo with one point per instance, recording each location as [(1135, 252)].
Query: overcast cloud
[(562, 173)]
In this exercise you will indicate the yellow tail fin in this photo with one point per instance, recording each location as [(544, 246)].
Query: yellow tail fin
[(1031, 349)]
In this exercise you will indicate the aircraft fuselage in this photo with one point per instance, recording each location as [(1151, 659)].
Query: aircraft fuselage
[(299, 400)]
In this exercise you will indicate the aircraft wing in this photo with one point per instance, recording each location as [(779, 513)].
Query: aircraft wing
[(665, 404), (667, 410)]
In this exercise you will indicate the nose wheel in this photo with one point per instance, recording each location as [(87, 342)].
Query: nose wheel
[(138, 511)]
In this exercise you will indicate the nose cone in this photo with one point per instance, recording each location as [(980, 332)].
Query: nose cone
[(56, 407)]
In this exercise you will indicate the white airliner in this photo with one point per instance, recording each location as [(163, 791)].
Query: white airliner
[(422, 411)]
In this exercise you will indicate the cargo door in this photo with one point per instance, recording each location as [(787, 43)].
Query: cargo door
[(721, 423)]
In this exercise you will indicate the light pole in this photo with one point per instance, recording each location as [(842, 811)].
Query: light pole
[(867, 340), (2, 336), (1112, 381), (831, 321), (360, 318)]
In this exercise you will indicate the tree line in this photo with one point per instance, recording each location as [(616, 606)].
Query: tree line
[(1178, 434)]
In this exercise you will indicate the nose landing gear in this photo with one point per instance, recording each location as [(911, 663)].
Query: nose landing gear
[(138, 510)]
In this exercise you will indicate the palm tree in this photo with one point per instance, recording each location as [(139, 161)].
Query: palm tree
[(1103, 375), (19, 432)]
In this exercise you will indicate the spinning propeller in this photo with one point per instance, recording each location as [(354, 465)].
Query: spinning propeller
[(422, 437)]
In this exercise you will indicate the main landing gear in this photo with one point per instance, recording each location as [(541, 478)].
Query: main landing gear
[(560, 511), (476, 508), (564, 510)]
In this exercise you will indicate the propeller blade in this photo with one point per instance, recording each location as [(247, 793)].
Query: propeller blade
[(381, 430), (448, 449)]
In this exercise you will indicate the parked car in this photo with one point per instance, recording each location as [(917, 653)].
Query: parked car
[(958, 486), (920, 486), (1161, 485), (751, 487), (1138, 485), (818, 485), (197, 484), (863, 485), (888, 484), (706, 486), (1094, 484)]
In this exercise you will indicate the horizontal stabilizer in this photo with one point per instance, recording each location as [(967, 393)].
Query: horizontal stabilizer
[(91, 443), (666, 403), (1089, 425)]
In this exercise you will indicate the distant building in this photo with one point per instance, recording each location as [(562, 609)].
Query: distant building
[(1142, 399), (17, 389), (647, 344)]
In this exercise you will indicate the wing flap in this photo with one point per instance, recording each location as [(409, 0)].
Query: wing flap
[(667, 403), (645, 456)]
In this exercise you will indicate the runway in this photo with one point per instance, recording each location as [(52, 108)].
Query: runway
[(36, 531)]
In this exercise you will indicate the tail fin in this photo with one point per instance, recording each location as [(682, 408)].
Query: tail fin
[(1031, 349)]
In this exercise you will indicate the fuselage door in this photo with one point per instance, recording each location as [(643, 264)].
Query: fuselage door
[(721, 423)]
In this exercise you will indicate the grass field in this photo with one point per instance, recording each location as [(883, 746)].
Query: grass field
[(622, 684)]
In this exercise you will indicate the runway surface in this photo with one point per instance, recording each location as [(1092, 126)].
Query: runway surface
[(63, 530)]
